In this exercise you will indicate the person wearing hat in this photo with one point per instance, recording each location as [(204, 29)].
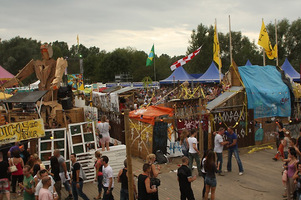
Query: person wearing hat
[(24, 153)]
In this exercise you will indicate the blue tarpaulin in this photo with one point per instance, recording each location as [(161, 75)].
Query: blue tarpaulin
[(267, 94)]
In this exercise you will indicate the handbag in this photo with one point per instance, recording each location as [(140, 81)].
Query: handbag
[(13, 168), (155, 181)]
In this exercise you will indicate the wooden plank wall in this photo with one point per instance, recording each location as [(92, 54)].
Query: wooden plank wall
[(142, 138)]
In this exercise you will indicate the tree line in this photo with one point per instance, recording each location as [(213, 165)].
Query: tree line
[(102, 66)]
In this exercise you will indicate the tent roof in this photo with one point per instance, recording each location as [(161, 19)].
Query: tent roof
[(5, 74), (248, 63), (26, 97), (289, 70), (149, 114), (178, 75), (196, 75), (211, 75)]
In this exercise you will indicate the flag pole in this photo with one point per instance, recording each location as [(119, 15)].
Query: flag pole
[(276, 37), (231, 58), (263, 53), (154, 64)]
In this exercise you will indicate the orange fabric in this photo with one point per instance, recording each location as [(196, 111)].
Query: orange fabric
[(149, 114)]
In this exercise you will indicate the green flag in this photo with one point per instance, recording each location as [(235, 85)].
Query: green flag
[(150, 59)]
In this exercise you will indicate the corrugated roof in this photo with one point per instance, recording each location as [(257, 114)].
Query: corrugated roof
[(125, 89), (111, 89), (26, 97), (224, 97)]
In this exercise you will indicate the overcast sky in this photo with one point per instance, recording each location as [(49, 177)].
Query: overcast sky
[(111, 24)]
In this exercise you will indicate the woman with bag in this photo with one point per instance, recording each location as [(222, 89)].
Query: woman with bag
[(155, 170), (144, 187), (103, 128), (184, 142), (16, 167)]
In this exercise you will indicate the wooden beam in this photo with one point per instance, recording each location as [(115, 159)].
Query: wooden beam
[(128, 143)]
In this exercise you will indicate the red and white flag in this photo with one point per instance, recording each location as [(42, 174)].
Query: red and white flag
[(185, 60)]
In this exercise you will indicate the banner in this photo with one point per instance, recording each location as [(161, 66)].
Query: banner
[(76, 81), (14, 132), (216, 49)]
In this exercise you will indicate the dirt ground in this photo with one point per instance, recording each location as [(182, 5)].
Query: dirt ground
[(261, 179)]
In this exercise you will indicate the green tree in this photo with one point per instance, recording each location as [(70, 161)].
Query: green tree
[(203, 35), (60, 49), (17, 52), (242, 50)]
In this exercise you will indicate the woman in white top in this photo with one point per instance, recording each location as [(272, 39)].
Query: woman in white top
[(103, 128)]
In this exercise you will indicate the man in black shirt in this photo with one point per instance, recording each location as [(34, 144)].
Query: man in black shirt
[(185, 179), (77, 179)]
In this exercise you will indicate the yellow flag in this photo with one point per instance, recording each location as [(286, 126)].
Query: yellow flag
[(216, 50), (264, 41)]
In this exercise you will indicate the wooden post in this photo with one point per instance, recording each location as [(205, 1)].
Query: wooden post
[(201, 133), (128, 142)]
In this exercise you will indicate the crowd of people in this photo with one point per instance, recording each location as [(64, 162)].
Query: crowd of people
[(153, 96), (22, 174), (289, 151), (210, 164)]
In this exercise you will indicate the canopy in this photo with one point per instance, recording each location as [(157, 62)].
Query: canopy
[(178, 75), (289, 70), (210, 76), (267, 94), (4, 75), (149, 114)]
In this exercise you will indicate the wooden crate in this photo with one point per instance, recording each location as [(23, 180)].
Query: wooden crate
[(75, 115), (20, 117)]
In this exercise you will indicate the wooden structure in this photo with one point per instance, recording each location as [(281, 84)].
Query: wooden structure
[(74, 115)]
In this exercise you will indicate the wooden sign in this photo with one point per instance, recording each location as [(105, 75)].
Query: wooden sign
[(14, 132)]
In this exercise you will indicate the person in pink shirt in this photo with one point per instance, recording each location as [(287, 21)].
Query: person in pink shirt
[(44, 193)]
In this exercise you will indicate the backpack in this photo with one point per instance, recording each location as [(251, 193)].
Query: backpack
[(81, 172), (161, 158)]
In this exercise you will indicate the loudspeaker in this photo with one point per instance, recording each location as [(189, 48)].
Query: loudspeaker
[(66, 103), (65, 92)]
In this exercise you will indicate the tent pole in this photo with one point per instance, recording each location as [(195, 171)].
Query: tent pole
[(155, 67), (263, 56), (276, 37), (231, 58)]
